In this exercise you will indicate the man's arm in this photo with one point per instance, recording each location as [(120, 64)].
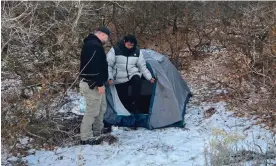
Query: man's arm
[(99, 63), (111, 62), (143, 68)]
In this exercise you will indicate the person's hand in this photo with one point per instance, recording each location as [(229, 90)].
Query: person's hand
[(152, 80), (101, 90), (110, 82)]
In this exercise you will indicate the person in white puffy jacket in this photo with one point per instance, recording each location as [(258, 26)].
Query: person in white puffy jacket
[(126, 65)]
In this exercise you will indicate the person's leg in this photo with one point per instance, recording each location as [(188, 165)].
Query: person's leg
[(122, 90), (107, 128), (93, 106), (136, 84), (98, 125)]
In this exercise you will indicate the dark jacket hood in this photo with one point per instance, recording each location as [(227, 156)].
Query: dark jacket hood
[(92, 37)]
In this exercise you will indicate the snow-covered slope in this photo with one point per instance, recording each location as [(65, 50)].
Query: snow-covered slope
[(170, 146)]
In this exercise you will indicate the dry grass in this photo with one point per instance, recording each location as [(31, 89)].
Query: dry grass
[(223, 150)]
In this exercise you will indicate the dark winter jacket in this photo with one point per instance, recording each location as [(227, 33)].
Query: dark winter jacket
[(97, 69)]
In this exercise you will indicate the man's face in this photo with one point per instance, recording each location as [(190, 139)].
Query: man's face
[(129, 45), (104, 38)]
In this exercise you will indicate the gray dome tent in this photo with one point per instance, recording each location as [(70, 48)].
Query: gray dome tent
[(163, 103)]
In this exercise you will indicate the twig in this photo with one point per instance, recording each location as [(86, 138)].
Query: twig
[(80, 72), (120, 5), (33, 134), (259, 148), (254, 71)]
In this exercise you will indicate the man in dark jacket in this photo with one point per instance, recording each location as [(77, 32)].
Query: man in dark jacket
[(93, 74)]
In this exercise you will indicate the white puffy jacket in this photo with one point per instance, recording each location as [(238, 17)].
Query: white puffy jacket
[(121, 68)]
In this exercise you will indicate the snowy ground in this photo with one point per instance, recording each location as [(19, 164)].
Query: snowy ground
[(170, 146)]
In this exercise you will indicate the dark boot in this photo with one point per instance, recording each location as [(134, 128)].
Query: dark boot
[(107, 129), (133, 128), (92, 141)]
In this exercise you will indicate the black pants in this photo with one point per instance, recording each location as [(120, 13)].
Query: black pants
[(130, 104)]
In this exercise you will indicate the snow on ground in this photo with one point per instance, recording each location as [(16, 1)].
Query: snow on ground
[(169, 146), (10, 87), (4, 155), (75, 104)]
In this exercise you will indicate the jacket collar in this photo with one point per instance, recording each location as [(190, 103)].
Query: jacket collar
[(92, 37)]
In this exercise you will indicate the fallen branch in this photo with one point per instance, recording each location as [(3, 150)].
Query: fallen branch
[(33, 134)]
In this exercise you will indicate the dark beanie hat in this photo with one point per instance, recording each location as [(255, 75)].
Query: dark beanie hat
[(104, 30), (130, 38)]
